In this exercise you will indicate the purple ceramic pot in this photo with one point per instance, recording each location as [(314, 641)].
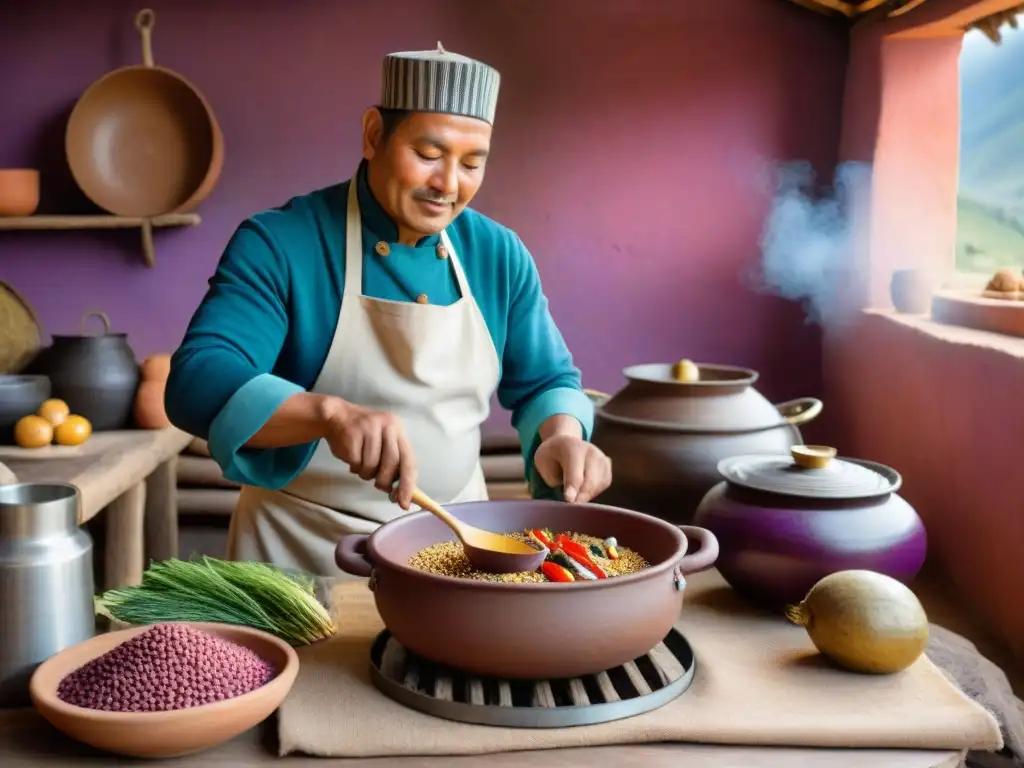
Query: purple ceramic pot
[(785, 522)]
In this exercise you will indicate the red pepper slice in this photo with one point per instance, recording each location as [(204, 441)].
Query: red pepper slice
[(538, 534), (580, 555), (555, 572)]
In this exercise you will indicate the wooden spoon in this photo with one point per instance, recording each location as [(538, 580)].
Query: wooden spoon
[(487, 551)]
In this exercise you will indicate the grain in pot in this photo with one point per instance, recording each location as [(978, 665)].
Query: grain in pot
[(448, 558)]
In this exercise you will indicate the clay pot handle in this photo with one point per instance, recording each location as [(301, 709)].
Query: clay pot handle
[(145, 20), (800, 411), (351, 555), (705, 556), (101, 315)]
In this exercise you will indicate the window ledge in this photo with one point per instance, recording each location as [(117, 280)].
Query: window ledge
[(998, 343)]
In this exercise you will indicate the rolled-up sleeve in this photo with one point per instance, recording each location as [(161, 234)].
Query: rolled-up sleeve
[(221, 385)]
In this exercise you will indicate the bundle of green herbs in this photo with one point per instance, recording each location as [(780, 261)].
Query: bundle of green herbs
[(246, 594)]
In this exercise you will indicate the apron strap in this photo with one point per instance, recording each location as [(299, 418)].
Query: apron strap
[(460, 273), (353, 243)]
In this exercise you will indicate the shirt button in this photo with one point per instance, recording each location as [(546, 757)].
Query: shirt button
[(421, 299), (442, 252), (382, 248)]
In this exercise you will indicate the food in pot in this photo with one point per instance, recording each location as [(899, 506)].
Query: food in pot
[(571, 557), (864, 621), (245, 594), (685, 370), (168, 667)]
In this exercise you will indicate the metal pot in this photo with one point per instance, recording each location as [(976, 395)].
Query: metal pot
[(785, 522), (536, 630), (97, 376), (666, 437), (46, 582)]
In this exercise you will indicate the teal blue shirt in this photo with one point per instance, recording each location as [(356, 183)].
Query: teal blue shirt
[(263, 330)]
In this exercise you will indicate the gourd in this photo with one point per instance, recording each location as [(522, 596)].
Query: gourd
[(148, 410), (864, 621)]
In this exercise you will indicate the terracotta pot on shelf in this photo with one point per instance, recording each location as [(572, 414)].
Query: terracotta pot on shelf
[(665, 437), (19, 191), (785, 522)]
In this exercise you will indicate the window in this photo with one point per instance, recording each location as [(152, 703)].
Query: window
[(990, 200)]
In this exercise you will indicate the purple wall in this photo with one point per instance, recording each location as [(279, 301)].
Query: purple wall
[(628, 153)]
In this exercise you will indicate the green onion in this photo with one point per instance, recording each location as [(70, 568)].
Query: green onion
[(247, 594)]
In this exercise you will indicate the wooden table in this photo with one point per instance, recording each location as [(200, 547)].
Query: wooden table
[(131, 476), (27, 741)]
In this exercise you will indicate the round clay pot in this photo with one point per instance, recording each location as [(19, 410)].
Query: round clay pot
[(535, 630), (96, 375), (911, 291), (665, 437), (786, 522), (19, 191)]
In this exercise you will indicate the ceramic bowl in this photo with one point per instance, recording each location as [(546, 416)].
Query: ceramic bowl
[(19, 396), (163, 734)]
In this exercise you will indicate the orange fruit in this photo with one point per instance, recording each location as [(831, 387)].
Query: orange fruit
[(74, 430), (33, 432), (54, 411)]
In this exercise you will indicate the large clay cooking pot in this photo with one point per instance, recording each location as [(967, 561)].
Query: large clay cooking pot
[(534, 630), (97, 376), (666, 437), (785, 522)]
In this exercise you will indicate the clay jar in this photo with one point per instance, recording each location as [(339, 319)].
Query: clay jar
[(148, 411), (785, 522), (911, 291), (666, 437), (96, 375)]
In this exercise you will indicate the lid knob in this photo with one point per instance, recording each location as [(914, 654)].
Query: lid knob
[(812, 456), (685, 371)]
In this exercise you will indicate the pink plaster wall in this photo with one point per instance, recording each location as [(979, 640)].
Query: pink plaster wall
[(945, 413)]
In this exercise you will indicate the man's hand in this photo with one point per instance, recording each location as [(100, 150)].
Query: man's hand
[(579, 467), (374, 445)]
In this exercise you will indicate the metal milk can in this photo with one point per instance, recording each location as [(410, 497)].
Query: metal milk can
[(46, 581)]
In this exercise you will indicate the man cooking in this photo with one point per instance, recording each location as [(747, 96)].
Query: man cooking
[(353, 338)]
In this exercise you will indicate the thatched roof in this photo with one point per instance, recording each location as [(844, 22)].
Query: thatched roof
[(876, 10)]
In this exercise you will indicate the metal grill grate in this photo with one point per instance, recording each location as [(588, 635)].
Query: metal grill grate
[(638, 686)]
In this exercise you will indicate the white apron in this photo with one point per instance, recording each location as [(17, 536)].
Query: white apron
[(434, 366)]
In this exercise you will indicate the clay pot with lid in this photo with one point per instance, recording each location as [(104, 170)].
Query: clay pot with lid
[(785, 522), (665, 437), (95, 374)]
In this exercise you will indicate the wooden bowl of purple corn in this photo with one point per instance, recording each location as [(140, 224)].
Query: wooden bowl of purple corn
[(165, 690)]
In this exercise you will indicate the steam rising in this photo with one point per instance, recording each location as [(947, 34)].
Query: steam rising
[(807, 245)]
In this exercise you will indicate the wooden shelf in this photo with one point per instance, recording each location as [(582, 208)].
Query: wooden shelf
[(54, 223)]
